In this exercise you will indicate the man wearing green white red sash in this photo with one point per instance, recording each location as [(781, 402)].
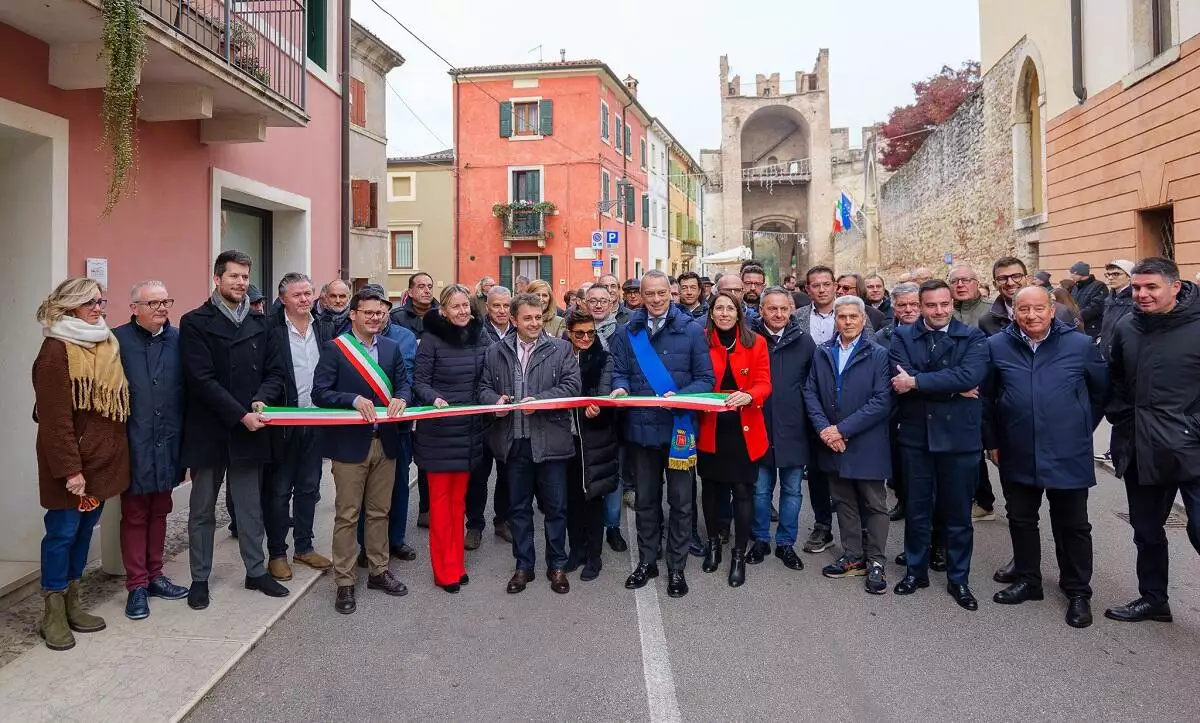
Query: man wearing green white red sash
[(362, 370), (661, 352)]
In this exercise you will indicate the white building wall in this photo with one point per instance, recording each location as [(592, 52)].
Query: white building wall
[(656, 172)]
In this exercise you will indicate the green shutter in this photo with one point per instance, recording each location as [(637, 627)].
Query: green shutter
[(628, 142), (318, 33), (506, 276), (506, 126), (630, 205), (620, 134), (546, 122), (645, 208), (535, 186), (604, 121), (546, 270), (643, 153)]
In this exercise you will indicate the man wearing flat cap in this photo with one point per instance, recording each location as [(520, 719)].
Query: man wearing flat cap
[(1090, 295)]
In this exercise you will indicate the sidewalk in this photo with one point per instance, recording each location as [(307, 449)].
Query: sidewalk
[(159, 668)]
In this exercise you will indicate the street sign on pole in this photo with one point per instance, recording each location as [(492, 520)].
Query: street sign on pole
[(598, 244), (612, 237), (597, 263), (596, 272), (597, 237)]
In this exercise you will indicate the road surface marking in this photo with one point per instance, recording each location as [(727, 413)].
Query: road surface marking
[(656, 659)]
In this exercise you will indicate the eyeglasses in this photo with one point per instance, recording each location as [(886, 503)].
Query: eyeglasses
[(94, 304), (598, 301), (583, 334), (157, 304), (956, 282), (372, 314), (1010, 277)]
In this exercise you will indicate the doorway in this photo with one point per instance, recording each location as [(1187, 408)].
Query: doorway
[(33, 246), (247, 228)]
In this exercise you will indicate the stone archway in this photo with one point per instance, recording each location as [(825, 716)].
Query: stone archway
[(780, 254)]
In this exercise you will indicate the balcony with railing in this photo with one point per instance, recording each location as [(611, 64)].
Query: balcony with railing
[(794, 171), (525, 226), (238, 65)]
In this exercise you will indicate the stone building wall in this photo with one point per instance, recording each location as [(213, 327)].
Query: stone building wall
[(956, 193)]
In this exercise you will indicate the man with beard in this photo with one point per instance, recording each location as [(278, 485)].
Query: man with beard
[(1010, 275), (754, 280), (333, 308), (411, 314)]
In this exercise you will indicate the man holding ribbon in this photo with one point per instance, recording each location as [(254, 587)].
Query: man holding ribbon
[(362, 370), (661, 352)]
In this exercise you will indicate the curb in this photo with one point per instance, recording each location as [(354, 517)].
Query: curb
[(212, 682)]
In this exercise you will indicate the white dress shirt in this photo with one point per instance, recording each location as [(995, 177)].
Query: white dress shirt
[(306, 352)]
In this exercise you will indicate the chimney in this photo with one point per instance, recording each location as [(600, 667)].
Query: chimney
[(632, 84), (562, 55)]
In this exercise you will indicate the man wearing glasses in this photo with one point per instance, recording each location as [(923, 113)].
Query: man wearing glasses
[(1011, 275), (150, 357), (969, 305), (598, 301)]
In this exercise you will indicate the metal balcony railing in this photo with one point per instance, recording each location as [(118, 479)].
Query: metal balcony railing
[(795, 171), (525, 224), (263, 39)]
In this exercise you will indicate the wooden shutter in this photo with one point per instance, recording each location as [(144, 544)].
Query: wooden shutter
[(645, 206), (546, 119), (373, 215), (630, 205), (604, 121), (506, 119), (643, 153), (620, 134), (534, 194), (628, 141), (358, 102), (360, 203), (506, 273), (546, 270)]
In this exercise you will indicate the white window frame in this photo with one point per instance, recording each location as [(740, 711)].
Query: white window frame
[(534, 137), (643, 143), (416, 245), (541, 181), (516, 267), (412, 185), (618, 127), (603, 138)]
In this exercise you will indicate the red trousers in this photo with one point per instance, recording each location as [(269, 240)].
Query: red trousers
[(447, 525), (143, 534)]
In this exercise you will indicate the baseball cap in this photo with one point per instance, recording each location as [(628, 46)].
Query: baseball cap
[(253, 294)]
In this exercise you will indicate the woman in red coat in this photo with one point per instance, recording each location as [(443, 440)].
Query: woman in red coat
[(732, 442)]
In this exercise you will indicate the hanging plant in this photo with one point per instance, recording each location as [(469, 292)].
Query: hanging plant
[(124, 52)]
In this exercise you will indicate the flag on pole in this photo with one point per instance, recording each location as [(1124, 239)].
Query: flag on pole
[(843, 213)]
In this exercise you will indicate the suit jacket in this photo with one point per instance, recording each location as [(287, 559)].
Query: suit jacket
[(336, 384)]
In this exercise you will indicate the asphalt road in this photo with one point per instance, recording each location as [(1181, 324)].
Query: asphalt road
[(787, 646)]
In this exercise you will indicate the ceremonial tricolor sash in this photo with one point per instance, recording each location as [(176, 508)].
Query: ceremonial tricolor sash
[(362, 361), (683, 438)]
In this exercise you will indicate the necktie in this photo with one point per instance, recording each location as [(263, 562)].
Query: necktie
[(525, 349), (655, 325)]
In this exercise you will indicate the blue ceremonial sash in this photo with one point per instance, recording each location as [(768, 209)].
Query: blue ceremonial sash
[(683, 440)]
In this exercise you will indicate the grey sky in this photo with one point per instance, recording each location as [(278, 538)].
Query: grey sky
[(877, 49)]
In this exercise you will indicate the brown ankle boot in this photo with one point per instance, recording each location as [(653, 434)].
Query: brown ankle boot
[(80, 621), (55, 630)]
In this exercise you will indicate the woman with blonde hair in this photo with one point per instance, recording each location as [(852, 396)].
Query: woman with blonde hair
[(81, 404), (552, 323)]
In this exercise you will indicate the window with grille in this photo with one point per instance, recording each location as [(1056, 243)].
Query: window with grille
[(402, 249)]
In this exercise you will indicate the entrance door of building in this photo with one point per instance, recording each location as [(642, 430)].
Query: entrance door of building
[(247, 228)]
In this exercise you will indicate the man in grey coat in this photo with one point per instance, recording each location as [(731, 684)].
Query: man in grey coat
[(535, 445)]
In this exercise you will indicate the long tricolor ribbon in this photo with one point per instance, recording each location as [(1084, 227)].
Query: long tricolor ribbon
[(297, 417)]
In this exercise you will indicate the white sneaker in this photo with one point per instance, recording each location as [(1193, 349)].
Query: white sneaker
[(978, 514)]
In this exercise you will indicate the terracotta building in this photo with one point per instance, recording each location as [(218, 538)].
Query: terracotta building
[(237, 145), (547, 155)]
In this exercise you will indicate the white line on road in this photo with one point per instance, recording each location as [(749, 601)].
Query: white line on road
[(656, 659)]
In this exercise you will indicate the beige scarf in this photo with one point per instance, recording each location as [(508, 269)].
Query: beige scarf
[(98, 381)]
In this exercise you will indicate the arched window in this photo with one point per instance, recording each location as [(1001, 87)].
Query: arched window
[(1028, 143)]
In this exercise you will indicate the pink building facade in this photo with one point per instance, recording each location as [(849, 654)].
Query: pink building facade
[(238, 146)]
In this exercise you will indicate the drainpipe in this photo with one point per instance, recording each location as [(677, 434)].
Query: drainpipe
[(457, 178), (345, 69), (629, 188), (1077, 50)]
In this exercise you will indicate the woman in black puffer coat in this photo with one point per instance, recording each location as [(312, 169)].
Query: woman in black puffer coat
[(592, 473), (446, 372)]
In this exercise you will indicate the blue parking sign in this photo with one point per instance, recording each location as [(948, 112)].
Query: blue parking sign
[(612, 237)]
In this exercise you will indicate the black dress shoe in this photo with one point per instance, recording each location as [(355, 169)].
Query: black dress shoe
[(1006, 574), (615, 540), (518, 581), (452, 588), (591, 571), (737, 568), (641, 575), (575, 560), (559, 582), (388, 583), (902, 559), (1079, 612), (198, 595), (1139, 610), (676, 584), (937, 560), (787, 554), (896, 513), (266, 585), (962, 595), (910, 584), (696, 547), (1017, 593), (401, 552), (758, 552), (344, 602), (465, 579), (712, 555)]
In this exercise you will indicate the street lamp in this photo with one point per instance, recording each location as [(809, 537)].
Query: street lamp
[(623, 185)]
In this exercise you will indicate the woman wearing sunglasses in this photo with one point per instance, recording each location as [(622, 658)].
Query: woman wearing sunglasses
[(81, 404), (592, 474)]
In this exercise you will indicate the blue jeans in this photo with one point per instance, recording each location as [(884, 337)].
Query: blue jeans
[(949, 481), (550, 480), (612, 508), (295, 478), (65, 546), (398, 515), (790, 496)]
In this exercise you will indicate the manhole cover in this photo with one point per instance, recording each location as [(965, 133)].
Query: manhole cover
[(1175, 520)]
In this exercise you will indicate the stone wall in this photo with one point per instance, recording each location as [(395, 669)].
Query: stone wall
[(956, 193)]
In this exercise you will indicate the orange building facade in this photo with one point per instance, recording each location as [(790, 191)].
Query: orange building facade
[(548, 154), (1123, 169)]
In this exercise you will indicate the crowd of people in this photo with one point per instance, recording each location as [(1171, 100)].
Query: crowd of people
[(836, 381)]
